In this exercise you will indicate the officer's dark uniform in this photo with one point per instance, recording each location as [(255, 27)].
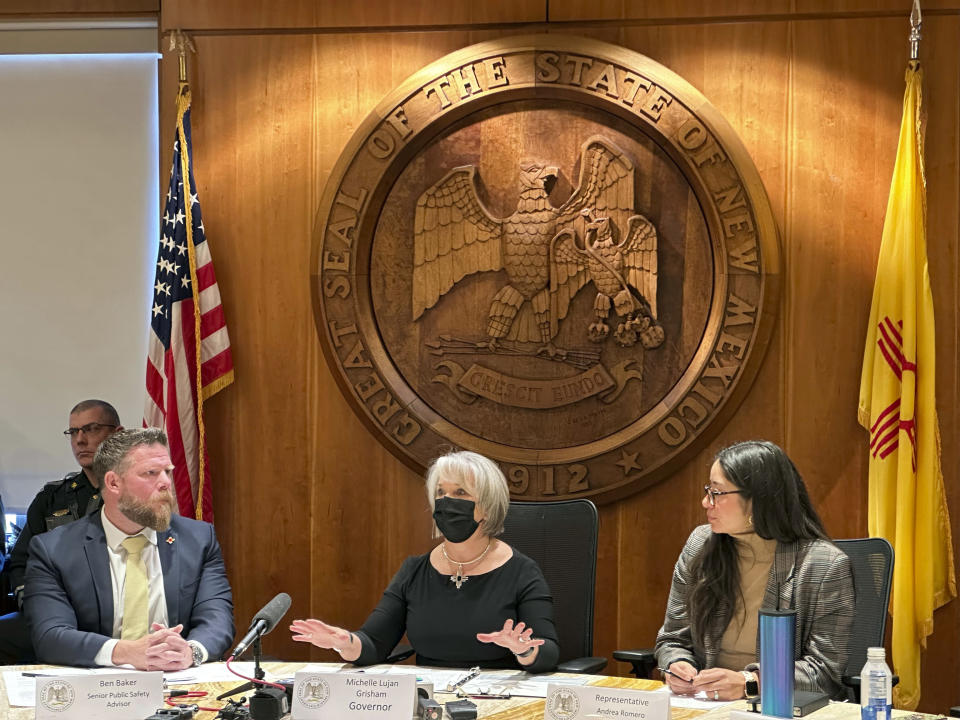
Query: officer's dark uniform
[(58, 503), (4, 579)]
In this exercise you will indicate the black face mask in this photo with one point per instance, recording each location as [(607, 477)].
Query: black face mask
[(454, 518)]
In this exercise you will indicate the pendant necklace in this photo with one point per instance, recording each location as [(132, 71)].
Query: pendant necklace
[(459, 579)]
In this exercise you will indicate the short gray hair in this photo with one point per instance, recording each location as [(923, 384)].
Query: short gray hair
[(110, 413), (481, 477), (112, 453)]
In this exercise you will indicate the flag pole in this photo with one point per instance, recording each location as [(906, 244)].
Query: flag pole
[(181, 42), (916, 21)]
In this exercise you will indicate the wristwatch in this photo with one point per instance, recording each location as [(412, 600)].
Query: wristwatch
[(197, 653), (751, 685)]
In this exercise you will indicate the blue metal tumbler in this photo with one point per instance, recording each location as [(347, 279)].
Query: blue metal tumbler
[(777, 630)]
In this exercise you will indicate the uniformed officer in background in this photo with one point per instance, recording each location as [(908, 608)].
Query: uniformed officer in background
[(58, 503)]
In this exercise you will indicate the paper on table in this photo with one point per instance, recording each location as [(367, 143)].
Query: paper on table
[(515, 682), (535, 686), (700, 701), (209, 673), (554, 680), (22, 691), (440, 677)]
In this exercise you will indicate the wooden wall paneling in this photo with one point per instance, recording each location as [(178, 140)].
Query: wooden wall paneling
[(940, 58), (272, 115), (866, 7), (252, 151), (267, 14), (668, 11), (78, 8), (568, 10), (846, 90)]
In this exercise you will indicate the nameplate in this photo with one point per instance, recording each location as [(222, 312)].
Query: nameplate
[(573, 702), (353, 696), (114, 696)]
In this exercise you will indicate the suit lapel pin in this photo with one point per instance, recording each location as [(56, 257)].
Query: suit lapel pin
[(170, 540)]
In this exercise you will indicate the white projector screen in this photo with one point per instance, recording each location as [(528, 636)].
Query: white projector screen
[(79, 202)]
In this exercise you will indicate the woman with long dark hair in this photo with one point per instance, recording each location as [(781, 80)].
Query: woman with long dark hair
[(763, 547)]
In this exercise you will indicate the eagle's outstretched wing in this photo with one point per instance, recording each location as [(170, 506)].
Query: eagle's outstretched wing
[(454, 236), (606, 186), (568, 273), (639, 249)]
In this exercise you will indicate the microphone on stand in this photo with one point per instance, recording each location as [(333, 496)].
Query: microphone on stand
[(263, 622), (267, 703)]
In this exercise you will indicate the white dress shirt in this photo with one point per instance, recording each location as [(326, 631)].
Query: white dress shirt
[(156, 600)]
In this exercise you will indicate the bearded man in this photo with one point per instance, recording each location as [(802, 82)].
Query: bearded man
[(134, 583)]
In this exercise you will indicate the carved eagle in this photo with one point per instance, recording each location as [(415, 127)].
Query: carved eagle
[(456, 236), (624, 274)]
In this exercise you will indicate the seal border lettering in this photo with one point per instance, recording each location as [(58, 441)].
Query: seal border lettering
[(399, 417)]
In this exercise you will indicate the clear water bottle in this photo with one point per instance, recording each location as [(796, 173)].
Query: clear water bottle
[(876, 686)]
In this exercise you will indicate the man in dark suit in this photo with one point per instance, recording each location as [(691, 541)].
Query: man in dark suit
[(134, 583)]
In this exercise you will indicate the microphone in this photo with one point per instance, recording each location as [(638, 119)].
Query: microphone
[(263, 622)]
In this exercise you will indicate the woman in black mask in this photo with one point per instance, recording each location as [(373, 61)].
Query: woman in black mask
[(472, 600)]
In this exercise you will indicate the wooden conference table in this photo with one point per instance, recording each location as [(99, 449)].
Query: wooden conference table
[(519, 708)]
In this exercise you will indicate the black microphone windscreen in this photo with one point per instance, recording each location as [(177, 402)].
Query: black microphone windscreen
[(272, 612)]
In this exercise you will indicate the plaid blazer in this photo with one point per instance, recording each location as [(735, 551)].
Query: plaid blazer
[(812, 576)]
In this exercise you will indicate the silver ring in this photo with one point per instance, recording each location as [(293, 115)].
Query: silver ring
[(524, 640), (716, 694)]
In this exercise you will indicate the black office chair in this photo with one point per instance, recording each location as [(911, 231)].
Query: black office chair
[(561, 537), (872, 563)]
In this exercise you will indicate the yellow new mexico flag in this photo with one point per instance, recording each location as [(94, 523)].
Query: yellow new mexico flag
[(907, 504)]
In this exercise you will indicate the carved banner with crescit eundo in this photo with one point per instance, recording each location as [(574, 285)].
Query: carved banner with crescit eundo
[(550, 250)]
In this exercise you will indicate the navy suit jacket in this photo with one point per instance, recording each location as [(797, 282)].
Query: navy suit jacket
[(68, 594)]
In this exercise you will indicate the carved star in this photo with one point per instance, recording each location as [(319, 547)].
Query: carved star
[(628, 461)]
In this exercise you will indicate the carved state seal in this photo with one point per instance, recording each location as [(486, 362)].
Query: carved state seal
[(550, 250)]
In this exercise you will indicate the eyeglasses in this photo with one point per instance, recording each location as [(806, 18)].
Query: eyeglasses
[(712, 494), (86, 429)]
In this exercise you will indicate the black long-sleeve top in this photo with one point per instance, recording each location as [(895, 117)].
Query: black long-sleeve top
[(442, 622), (58, 503)]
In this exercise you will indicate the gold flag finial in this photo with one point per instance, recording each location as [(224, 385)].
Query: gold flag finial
[(181, 42), (916, 20)]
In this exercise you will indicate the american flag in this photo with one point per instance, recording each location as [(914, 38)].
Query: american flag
[(185, 296)]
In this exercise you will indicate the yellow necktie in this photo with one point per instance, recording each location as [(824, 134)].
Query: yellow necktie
[(135, 607)]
